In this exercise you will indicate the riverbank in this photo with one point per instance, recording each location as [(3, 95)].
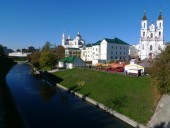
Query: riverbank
[(10, 117), (95, 103)]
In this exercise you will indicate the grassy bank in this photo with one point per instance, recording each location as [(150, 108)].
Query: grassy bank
[(12, 118), (131, 96)]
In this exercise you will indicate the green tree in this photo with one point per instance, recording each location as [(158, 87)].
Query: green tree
[(160, 71), (47, 59), (35, 57), (47, 46), (59, 52)]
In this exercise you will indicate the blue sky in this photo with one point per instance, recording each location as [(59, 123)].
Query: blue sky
[(25, 23)]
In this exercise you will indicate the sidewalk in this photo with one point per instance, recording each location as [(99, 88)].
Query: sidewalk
[(161, 117)]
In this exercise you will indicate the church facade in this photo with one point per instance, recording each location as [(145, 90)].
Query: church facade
[(151, 38), (72, 43)]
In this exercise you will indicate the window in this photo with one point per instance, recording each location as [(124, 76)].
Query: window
[(111, 57), (111, 52), (159, 25), (143, 46), (120, 48), (96, 49), (143, 34), (120, 58), (124, 48), (159, 33), (120, 53), (144, 25), (116, 52), (150, 47), (116, 47), (112, 47), (115, 57), (151, 35)]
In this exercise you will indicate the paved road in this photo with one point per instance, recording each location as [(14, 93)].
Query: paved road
[(161, 118)]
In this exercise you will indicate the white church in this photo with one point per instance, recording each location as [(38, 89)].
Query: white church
[(72, 43), (151, 38)]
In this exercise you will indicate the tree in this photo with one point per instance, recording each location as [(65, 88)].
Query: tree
[(59, 52), (35, 57), (160, 71), (47, 46), (1, 51), (47, 59)]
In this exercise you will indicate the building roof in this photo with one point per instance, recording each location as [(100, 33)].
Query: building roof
[(88, 45), (73, 48), (115, 41), (68, 59), (97, 43)]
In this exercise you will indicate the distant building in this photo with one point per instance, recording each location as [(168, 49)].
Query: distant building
[(105, 50), (72, 52), (134, 51), (72, 43), (18, 54), (151, 38)]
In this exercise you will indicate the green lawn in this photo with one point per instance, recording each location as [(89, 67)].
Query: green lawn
[(131, 96)]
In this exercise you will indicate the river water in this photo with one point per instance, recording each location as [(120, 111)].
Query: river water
[(43, 106)]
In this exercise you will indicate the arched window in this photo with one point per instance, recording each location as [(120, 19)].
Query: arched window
[(143, 34), (143, 46), (150, 47), (159, 33), (151, 35), (159, 25)]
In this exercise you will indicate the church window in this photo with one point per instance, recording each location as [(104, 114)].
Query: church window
[(159, 33), (159, 25), (144, 25), (151, 35), (143, 46), (150, 47), (143, 34)]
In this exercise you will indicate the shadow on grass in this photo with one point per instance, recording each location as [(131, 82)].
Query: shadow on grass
[(118, 102), (50, 77)]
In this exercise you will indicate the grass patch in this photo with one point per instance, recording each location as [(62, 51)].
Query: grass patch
[(131, 96)]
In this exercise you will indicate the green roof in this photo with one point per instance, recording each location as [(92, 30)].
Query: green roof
[(97, 43), (68, 59), (73, 48), (115, 41), (88, 45)]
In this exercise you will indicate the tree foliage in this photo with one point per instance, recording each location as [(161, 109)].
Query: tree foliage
[(35, 57), (160, 71), (47, 46), (59, 52), (47, 59)]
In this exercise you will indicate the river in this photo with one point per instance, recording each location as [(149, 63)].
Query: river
[(44, 106)]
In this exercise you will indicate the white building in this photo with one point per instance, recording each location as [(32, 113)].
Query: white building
[(151, 38), (72, 43), (134, 51), (105, 50), (18, 54)]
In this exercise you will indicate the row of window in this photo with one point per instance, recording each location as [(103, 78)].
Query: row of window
[(151, 47), (151, 35), (117, 57)]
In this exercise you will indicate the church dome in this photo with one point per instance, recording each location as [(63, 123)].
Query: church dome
[(160, 17), (144, 17)]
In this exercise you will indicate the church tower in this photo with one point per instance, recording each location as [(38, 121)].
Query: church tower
[(63, 40), (151, 38)]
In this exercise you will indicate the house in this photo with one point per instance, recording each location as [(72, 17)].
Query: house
[(71, 62)]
